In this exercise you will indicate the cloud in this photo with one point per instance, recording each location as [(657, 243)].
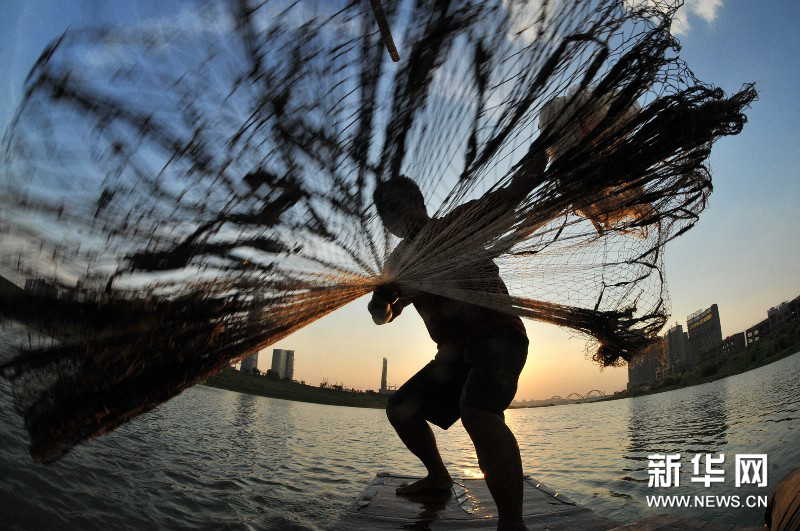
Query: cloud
[(524, 16), (706, 10)]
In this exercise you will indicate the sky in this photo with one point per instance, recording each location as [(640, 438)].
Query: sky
[(743, 254)]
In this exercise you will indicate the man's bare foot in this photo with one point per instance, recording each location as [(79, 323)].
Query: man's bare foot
[(426, 486), (511, 526)]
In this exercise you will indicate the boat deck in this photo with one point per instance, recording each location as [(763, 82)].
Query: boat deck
[(469, 506)]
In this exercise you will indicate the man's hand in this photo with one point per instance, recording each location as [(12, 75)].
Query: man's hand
[(381, 305), (381, 311)]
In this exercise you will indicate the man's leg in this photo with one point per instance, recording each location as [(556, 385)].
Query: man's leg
[(418, 437), (431, 394), (499, 459), (488, 391)]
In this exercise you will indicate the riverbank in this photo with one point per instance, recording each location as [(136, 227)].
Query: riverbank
[(781, 343), (768, 351), (253, 384)]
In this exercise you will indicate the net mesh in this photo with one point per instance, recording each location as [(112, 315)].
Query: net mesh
[(194, 195)]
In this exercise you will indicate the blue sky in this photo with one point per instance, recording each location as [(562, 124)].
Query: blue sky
[(743, 255), (744, 252)]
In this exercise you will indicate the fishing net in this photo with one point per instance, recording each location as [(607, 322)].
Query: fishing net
[(190, 195)]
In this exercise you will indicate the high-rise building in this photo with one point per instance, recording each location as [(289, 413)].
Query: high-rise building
[(777, 316), (755, 333), (647, 368), (784, 312), (250, 363), (705, 332), (383, 375), (289, 365), (283, 363), (733, 344), (277, 362), (677, 346)]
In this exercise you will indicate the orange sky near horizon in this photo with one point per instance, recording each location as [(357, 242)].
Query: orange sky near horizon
[(346, 347)]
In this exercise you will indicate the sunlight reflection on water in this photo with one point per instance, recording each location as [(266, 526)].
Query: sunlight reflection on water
[(217, 459)]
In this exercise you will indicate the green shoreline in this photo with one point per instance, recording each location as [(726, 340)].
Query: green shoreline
[(252, 384)]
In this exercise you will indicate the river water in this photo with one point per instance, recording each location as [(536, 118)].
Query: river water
[(216, 459)]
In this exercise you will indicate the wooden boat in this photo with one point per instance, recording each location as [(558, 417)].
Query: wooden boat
[(468, 506)]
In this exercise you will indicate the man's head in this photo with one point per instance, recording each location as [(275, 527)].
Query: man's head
[(401, 206)]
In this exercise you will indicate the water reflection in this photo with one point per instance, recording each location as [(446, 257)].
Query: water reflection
[(242, 461), (244, 422), (669, 423), (430, 508)]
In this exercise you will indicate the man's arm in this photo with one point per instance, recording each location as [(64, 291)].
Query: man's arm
[(491, 205), (525, 179), (386, 304)]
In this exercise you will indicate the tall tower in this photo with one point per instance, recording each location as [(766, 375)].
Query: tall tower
[(383, 375)]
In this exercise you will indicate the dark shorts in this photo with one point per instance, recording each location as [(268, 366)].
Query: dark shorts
[(481, 375)]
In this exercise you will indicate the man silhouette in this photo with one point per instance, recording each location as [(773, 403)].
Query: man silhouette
[(480, 351)]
